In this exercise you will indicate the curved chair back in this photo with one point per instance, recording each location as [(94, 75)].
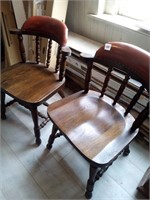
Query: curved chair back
[(132, 64), (49, 27), (44, 30)]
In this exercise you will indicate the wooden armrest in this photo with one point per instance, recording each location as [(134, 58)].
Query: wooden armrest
[(66, 50), (15, 31), (86, 57)]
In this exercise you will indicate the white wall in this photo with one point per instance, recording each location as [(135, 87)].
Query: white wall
[(79, 22)]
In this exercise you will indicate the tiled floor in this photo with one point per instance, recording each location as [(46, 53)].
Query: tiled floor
[(30, 172)]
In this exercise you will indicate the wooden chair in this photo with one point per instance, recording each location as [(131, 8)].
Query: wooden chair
[(97, 126), (32, 83)]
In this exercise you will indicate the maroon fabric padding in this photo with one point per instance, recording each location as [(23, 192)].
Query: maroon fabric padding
[(134, 59), (48, 27)]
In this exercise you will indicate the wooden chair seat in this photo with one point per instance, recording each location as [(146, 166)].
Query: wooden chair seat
[(94, 123), (32, 84), (100, 128)]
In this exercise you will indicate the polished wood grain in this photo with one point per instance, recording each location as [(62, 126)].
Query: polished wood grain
[(95, 121), (32, 83), (98, 126)]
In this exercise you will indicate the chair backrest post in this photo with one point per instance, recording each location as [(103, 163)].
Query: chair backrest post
[(88, 75), (140, 118), (88, 59), (134, 100), (38, 49), (58, 59), (62, 67), (64, 52), (22, 49)]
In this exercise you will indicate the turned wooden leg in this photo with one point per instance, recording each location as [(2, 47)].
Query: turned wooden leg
[(3, 108), (126, 151), (34, 113), (52, 137), (90, 182)]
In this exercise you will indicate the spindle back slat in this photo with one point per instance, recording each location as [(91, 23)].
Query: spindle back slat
[(58, 59), (121, 89), (134, 100), (48, 57), (37, 49), (49, 32), (39, 52), (107, 78)]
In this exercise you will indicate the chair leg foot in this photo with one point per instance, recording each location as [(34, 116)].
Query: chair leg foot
[(3, 117), (88, 195), (34, 113), (49, 146), (37, 135), (38, 141), (126, 151)]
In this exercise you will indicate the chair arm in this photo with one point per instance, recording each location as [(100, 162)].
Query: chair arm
[(15, 31), (86, 56)]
